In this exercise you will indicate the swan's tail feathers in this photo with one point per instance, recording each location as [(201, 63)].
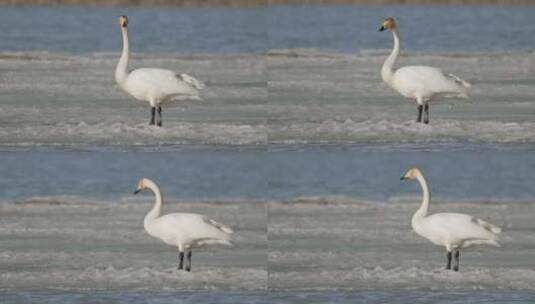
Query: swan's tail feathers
[(214, 242), (487, 226), (481, 242), (220, 226), (191, 81), (460, 81), (494, 243)]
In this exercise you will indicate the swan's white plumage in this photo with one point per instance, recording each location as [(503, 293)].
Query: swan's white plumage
[(183, 230), (159, 86), (424, 83), (456, 230), (419, 83), (154, 85), (188, 230), (451, 230)]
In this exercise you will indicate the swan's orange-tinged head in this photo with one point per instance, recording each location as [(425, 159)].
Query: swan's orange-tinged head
[(388, 24), (123, 21), (412, 173), (140, 186)]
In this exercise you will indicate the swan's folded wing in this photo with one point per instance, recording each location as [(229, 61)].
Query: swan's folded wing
[(486, 225), (218, 225), (459, 80), (429, 79), (463, 226), (190, 80), (195, 226), (162, 82)]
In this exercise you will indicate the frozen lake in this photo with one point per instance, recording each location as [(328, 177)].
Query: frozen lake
[(274, 83), (285, 97), (66, 245), (305, 216), (298, 146)]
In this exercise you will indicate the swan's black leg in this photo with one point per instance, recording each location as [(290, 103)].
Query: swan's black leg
[(152, 114), (180, 260), (159, 123), (448, 265), (420, 108), (426, 116), (456, 264), (188, 263)]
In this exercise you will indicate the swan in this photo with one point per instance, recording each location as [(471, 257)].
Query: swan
[(157, 86), (454, 231), (184, 230), (420, 83)]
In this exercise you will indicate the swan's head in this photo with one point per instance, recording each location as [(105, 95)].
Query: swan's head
[(141, 185), (123, 21), (411, 174), (388, 24)]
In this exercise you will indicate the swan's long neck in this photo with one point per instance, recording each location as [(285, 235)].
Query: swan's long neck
[(154, 213), (121, 71), (387, 72), (426, 196)]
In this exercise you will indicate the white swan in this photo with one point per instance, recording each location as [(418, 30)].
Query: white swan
[(157, 86), (451, 230), (421, 83), (184, 230)]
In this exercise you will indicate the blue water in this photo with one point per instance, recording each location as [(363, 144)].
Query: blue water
[(368, 297), (189, 172), (164, 30), (431, 28), (345, 29), (460, 171)]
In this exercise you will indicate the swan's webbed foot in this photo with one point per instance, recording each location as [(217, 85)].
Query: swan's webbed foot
[(426, 111), (152, 115), (180, 260), (188, 262), (448, 256), (456, 264), (159, 120), (420, 109)]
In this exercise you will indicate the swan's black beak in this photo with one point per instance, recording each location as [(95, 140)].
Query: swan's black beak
[(137, 191), (402, 178), (382, 29)]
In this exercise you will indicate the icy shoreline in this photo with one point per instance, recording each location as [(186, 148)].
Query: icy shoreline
[(295, 96), (51, 245), (350, 245), (312, 244)]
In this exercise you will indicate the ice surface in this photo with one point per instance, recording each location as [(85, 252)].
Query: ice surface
[(57, 99), (315, 244), (333, 243), (53, 243), (286, 96), (318, 96)]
